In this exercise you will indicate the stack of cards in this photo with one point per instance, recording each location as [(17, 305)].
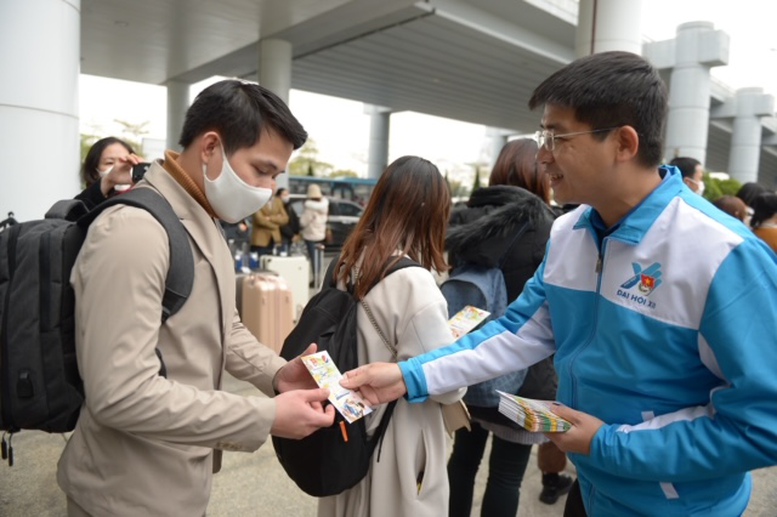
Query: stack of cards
[(466, 319), (325, 373), (533, 415)]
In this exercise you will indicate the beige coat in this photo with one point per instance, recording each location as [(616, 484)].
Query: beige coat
[(411, 312), (144, 444), (267, 223)]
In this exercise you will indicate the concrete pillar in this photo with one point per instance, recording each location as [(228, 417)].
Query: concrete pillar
[(177, 104), (605, 25), (745, 153), (39, 142), (380, 123), (496, 138), (275, 57), (698, 47), (275, 66)]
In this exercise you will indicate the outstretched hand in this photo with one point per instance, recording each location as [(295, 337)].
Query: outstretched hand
[(294, 375), (578, 439), (299, 413), (377, 382)]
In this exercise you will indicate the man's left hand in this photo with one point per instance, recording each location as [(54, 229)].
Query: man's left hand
[(294, 375), (578, 439)]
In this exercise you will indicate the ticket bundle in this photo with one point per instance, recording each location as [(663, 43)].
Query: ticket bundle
[(533, 415)]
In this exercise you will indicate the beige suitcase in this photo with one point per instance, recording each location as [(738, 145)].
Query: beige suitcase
[(266, 306), (295, 270)]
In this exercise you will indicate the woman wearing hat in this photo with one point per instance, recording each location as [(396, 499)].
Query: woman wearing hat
[(312, 223)]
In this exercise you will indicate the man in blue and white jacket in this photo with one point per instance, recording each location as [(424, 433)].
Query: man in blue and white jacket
[(661, 310)]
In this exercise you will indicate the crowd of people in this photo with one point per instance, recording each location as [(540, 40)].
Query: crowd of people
[(630, 303)]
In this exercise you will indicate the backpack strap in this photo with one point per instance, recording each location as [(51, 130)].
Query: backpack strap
[(402, 264), (329, 276), (180, 275), (67, 209), (377, 439)]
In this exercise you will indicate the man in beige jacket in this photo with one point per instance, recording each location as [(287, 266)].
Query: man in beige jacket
[(147, 444)]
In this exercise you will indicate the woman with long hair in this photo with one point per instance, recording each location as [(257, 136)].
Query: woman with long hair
[(406, 217)]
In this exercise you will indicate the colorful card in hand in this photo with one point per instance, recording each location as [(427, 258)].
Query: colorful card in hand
[(467, 319), (325, 373), (533, 415)]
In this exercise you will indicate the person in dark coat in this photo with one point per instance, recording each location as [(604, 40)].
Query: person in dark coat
[(484, 233), (290, 230)]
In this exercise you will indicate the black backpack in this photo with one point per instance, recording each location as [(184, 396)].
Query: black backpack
[(323, 463), (40, 387)]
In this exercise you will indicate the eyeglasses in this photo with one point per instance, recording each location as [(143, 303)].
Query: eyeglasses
[(547, 138)]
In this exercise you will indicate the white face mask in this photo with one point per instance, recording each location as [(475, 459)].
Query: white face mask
[(231, 198), (699, 185)]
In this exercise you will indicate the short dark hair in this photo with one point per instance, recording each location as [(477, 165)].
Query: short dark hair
[(89, 174), (238, 111), (732, 205), (749, 191), (686, 164), (612, 89)]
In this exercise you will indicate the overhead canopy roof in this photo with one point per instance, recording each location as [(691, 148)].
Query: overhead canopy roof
[(454, 60), (475, 61)]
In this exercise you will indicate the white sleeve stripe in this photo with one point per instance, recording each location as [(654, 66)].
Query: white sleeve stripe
[(686, 414), (670, 492), (708, 358), (500, 354)]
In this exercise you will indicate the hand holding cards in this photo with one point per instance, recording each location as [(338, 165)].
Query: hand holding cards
[(325, 373), (533, 415)]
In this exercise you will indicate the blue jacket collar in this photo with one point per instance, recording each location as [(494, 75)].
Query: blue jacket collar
[(633, 227)]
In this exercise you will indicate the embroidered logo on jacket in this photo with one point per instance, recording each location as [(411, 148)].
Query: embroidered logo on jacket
[(646, 280)]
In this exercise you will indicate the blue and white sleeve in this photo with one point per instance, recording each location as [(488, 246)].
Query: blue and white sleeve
[(515, 341)]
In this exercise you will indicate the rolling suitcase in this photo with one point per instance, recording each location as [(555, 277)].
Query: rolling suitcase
[(318, 266), (264, 303), (296, 272)]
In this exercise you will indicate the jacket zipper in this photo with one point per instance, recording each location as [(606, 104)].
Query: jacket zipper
[(598, 270)]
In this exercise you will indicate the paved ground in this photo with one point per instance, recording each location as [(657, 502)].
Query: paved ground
[(255, 484)]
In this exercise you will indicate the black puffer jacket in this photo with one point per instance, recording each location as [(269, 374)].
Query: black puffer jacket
[(484, 232)]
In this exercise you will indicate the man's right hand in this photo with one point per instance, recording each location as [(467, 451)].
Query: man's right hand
[(377, 382), (298, 413)]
